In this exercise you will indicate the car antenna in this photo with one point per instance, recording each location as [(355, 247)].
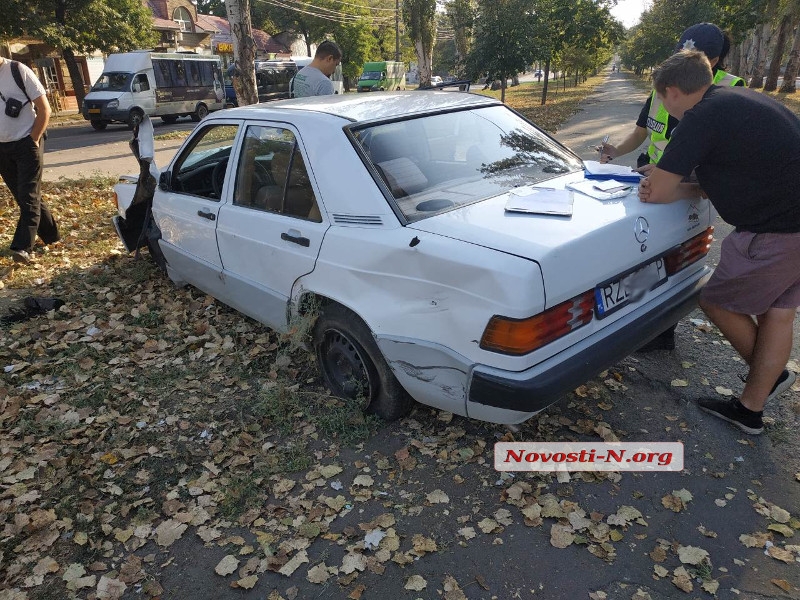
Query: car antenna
[(414, 242)]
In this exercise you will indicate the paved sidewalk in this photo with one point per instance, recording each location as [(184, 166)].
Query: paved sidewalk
[(612, 110)]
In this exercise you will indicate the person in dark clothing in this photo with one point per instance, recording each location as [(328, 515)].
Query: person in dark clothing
[(745, 150), (23, 120), (654, 122)]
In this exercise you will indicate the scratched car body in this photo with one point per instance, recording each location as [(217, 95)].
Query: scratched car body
[(386, 216)]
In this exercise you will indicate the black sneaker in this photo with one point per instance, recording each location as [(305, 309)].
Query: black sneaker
[(734, 412), (785, 381)]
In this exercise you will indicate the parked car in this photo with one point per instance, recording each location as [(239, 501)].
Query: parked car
[(436, 80), (386, 215)]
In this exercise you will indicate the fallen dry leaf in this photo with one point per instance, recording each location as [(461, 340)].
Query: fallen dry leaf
[(227, 565), (780, 554), (561, 536), (691, 555), (318, 573), (783, 584), (682, 580), (437, 497), (415, 583), (247, 583)]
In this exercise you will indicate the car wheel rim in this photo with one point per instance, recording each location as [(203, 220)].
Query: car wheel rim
[(345, 369)]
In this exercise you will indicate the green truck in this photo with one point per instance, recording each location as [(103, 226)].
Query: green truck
[(382, 76)]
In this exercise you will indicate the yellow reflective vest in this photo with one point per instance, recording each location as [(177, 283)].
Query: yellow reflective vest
[(658, 117)]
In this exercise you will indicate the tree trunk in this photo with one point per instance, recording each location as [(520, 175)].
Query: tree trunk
[(546, 80), (777, 54), (503, 89), (424, 63), (761, 42), (75, 74), (244, 49), (792, 67)]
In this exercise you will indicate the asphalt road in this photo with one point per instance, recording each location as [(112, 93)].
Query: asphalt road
[(76, 150), (727, 472)]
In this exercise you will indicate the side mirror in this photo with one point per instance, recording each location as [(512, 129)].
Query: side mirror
[(164, 181)]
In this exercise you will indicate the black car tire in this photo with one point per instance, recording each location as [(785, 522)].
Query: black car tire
[(135, 116), (200, 114), (352, 364), (99, 125)]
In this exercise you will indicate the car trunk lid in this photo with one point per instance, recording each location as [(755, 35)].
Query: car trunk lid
[(601, 240)]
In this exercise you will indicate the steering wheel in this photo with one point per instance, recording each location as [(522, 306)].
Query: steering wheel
[(218, 177)]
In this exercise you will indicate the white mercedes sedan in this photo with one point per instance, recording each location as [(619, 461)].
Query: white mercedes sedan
[(450, 251)]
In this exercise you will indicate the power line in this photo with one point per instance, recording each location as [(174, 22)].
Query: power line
[(368, 7), (330, 15)]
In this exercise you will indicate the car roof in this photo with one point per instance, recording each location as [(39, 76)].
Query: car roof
[(374, 106)]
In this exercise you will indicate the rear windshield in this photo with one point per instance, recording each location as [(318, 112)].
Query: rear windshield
[(436, 163)]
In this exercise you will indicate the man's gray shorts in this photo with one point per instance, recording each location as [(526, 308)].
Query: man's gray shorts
[(756, 272)]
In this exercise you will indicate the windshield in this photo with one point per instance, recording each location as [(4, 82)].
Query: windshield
[(113, 82), (370, 76), (436, 163)]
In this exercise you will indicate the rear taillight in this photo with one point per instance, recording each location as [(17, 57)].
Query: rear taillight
[(689, 252), (520, 336)]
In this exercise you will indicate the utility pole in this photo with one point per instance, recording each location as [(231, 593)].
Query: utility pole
[(397, 30)]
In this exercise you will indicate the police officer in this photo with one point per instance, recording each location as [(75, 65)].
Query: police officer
[(653, 119)]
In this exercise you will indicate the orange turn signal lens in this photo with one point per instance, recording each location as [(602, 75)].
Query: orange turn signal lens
[(521, 336)]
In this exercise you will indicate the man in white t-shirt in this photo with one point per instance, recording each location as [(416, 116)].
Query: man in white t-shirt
[(314, 79), (24, 115)]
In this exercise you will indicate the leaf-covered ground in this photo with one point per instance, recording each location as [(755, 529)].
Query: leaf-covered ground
[(154, 443)]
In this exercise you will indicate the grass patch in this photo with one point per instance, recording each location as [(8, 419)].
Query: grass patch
[(526, 98)]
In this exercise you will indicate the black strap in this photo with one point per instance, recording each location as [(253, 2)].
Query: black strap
[(18, 78)]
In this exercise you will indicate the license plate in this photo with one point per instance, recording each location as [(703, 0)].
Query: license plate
[(615, 294), (94, 110)]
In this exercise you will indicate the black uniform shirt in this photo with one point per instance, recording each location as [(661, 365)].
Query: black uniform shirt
[(745, 148)]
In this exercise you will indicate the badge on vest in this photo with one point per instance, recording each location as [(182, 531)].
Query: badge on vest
[(654, 125)]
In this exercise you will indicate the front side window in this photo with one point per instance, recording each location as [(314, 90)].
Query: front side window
[(436, 163), (183, 18), (201, 168), (140, 84), (272, 175)]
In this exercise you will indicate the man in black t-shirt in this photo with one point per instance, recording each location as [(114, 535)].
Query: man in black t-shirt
[(745, 150)]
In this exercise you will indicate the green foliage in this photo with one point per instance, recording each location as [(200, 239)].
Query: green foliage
[(503, 33), (355, 37), (654, 38), (80, 25), (211, 7)]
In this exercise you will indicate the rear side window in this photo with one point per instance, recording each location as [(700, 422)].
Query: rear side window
[(436, 163), (272, 175)]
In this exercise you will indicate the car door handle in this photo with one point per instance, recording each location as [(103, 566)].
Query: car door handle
[(296, 238), (206, 215)]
